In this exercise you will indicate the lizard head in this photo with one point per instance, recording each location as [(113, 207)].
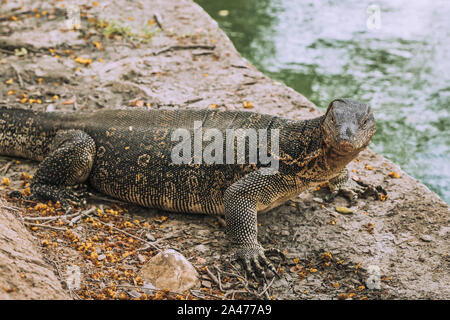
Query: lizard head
[(348, 126)]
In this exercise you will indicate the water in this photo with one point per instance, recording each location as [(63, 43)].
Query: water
[(399, 63)]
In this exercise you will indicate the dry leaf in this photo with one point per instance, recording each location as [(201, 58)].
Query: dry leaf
[(394, 174), (70, 101), (344, 210), (84, 61)]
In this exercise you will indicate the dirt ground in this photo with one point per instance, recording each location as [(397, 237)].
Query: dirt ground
[(171, 54)]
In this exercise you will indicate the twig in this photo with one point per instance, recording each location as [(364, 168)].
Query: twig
[(81, 215), (267, 287), (240, 278), (158, 20), (238, 66), (193, 100), (43, 226), (199, 294), (143, 288), (66, 216), (18, 75), (220, 281), (179, 47), (96, 197), (171, 235), (15, 209), (6, 51), (7, 44), (232, 292), (129, 234), (6, 167), (214, 279), (204, 53)]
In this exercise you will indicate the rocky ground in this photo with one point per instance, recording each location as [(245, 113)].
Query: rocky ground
[(171, 54)]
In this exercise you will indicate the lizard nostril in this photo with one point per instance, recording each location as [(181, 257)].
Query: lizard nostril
[(349, 132)]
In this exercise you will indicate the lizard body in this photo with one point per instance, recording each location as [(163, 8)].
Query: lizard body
[(128, 154)]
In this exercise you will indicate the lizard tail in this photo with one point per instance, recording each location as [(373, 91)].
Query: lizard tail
[(27, 133)]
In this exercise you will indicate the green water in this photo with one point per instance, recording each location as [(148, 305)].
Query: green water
[(399, 63)]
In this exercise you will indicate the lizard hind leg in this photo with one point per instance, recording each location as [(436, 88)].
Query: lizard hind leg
[(68, 163)]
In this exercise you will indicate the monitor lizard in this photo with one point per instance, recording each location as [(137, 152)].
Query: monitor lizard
[(128, 154)]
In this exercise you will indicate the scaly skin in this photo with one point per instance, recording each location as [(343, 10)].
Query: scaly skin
[(126, 154)]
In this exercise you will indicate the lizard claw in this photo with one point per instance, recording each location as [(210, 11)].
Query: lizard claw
[(351, 190), (58, 194), (255, 262)]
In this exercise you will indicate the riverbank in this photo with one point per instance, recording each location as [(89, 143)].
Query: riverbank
[(171, 54)]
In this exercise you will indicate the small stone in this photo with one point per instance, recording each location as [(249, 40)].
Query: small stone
[(318, 200), (426, 238), (149, 237), (201, 260), (148, 288), (206, 284), (285, 233), (141, 258), (134, 294), (201, 248), (101, 257), (170, 270)]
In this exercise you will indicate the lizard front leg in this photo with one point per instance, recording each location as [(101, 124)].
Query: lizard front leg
[(243, 199), (69, 163), (346, 186)]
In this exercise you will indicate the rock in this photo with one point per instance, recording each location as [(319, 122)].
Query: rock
[(285, 233), (169, 270), (50, 68), (19, 255)]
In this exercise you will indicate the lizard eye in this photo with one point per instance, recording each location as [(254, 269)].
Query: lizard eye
[(364, 122), (333, 118)]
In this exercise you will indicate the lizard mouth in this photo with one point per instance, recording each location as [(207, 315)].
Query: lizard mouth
[(346, 146)]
